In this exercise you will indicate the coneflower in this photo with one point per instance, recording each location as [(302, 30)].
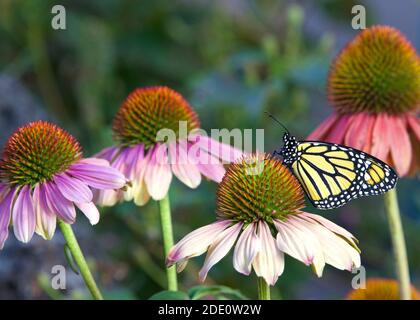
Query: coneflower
[(146, 117), (43, 178), (380, 289), (259, 213), (374, 88)]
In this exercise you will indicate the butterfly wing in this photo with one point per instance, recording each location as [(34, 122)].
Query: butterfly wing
[(333, 174)]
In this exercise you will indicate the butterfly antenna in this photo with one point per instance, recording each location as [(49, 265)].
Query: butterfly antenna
[(276, 120)]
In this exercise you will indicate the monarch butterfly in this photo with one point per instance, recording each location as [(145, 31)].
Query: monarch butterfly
[(332, 174)]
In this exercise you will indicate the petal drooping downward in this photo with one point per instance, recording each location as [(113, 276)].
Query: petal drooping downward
[(219, 248), (195, 243), (246, 249), (269, 262), (45, 218), (158, 175), (5, 213), (23, 215)]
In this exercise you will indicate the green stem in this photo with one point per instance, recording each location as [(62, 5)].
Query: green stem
[(263, 289), (398, 243), (80, 259), (168, 240)]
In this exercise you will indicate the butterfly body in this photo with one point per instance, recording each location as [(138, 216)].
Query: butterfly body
[(333, 174)]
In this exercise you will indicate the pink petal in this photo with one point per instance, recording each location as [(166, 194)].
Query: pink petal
[(95, 161), (358, 129), (220, 150), (295, 239), (246, 249), (182, 168), (158, 175), (90, 211), (414, 124), (5, 213), (73, 189), (108, 153), (196, 242), (45, 217), (337, 252), (401, 151), (24, 219), (269, 262), (219, 248), (294, 242), (97, 176), (213, 170), (330, 225), (381, 141), (106, 198), (62, 207), (337, 132), (321, 131)]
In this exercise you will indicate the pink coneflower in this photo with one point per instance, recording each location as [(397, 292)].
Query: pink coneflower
[(258, 209), (44, 177), (150, 163), (374, 87)]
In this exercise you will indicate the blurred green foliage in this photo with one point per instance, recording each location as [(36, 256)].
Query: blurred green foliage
[(232, 60)]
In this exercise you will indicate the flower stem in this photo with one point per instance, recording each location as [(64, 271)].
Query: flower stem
[(168, 240), (77, 254), (263, 289), (398, 243)]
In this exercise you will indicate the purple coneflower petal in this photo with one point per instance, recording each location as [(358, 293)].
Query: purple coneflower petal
[(380, 137), (97, 176), (195, 243), (219, 248), (246, 249), (107, 153), (134, 157), (337, 251), (95, 161), (321, 131), (213, 169), (329, 225), (414, 124), (46, 220), (357, 130), (269, 262), (23, 215), (220, 150), (299, 242), (90, 211), (337, 132), (5, 214), (106, 198), (61, 206), (158, 175), (401, 152), (73, 189), (182, 168)]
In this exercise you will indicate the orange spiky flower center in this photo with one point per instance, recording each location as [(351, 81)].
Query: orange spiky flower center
[(378, 71), (380, 289), (258, 187), (148, 110), (36, 152)]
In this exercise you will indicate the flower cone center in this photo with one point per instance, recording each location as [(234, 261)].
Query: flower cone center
[(36, 152), (148, 110)]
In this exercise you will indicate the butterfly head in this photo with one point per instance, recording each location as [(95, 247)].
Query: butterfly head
[(289, 150)]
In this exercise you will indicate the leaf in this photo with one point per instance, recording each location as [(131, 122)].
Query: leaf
[(170, 295), (216, 291)]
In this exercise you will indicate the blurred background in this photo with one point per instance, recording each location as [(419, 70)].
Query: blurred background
[(232, 60)]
